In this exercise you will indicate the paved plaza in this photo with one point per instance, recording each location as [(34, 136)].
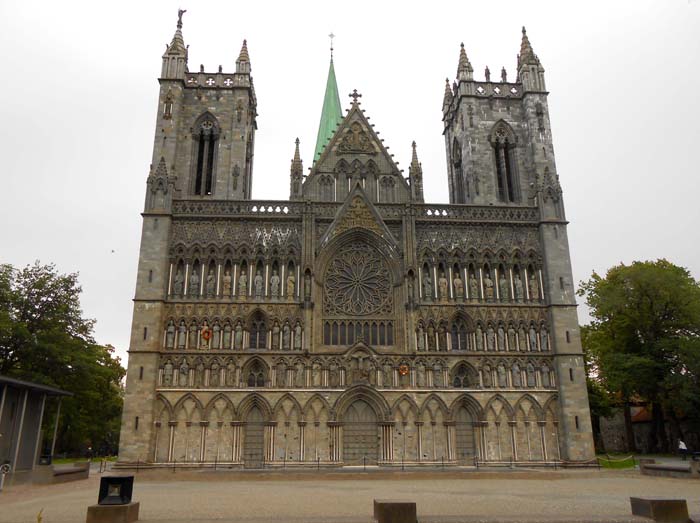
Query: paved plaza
[(450, 496)]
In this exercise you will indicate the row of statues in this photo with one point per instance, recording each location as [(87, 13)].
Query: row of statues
[(284, 337), (489, 292), (499, 339), (209, 290)]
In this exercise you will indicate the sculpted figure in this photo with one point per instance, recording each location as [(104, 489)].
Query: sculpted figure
[(168, 373), (258, 284), (238, 337), (427, 287), (199, 374), (490, 338), (214, 374), (227, 283), (473, 288), (231, 374), (178, 283), (442, 337), (442, 287), (194, 283), (170, 336), (522, 339), (286, 333), (297, 337), (276, 336), (530, 371), (503, 288), (546, 381), (274, 285), (534, 288), (431, 338), (307, 286), (544, 339), (181, 335), (459, 287), (501, 338), (479, 338), (183, 374), (486, 375), (511, 338), (243, 284), (502, 380), (211, 284), (409, 288), (291, 285), (420, 341), (518, 284), (533, 339), (517, 378), (488, 286)]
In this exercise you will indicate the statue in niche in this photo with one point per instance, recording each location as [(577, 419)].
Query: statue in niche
[(316, 375), (427, 287), (168, 373), (231, 374), (534, 288), (170, 336), (442, 337), (227, 337), (281, 375), (214, 374), (276, 336), (291, 285), (490, 338), (194, 283), (387, 373), (215, 336), (473, 287), (238, 337), (204, 343), (243, 284), (503, 288), (409, 288), (199, 374), (258, 284), (488, 287), (307, 286), (544, 339), (459, 287), (299, 378), (533, 339), (437, 376), (431, 338), (517, 378), (502, 380), (193, 336), (546, 381), (518, 284), (501, 338), (286, 334), (486, 375), (479, 338), (274, 285), (184, 374), (211, 284), (297, 336), (511, 338), (227, 283), (181, 335), (442, 287), (420, 341), (530, 371), (178, 283), (420, 376), (333, 376), (522, 339)]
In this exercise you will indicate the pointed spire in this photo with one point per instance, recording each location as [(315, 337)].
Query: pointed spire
[(331, 113), (175, 56), (447, 100), (177, 45), (296, 174), (297, 166), (415, 175), (527, 55), (243, 62), (464, 69)]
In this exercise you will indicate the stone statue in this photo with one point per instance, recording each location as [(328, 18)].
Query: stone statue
[(522, 339), (307, 286), (231, 374), (276, 336), (431, 338), (533, 339), (442, 337), (486, 375), (181, 335), (473, 288), (544, 339), (409, 288), (274, 285), (501, 338), (518, 284), (503, 288), (168, 373), (530, 371), (502, 380), (297, 337), (178, 283), (534, 288), (184, 374), (490, 338), (459, 287), (511, 338), (427, 287), (227, 283), (194, 283), (517, 378), (291, 285), (420, 339), (227, 336), (479, 338), (258, 284), (214, 374), (211, 284), (442, 287), (286, 333), (199, 374), (238, 337), (546, 381), (243, 284), (488, 286), (170, 336)]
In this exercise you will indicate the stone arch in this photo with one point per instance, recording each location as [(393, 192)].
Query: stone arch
[(498, 398), (163, 405), (366, 394), (180, 405), (467, 401), (309, 408), (248, 366), (254, 400), (433, 399), (279, 406), (211, 405), (399, 412), (502, 131), (535, 405)]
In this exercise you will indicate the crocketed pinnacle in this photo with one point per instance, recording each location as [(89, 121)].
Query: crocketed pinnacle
[(297, 167), (447, 100), (415, 174), (527, 55), (177, 45), (243, 55), (464, 69), (331, 113)]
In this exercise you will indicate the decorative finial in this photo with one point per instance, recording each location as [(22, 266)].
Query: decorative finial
[(180, 12), (524, 32), (504, 75), (487, 74), (331, 36), (355, 95)]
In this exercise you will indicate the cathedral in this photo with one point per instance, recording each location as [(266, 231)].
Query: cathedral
[(354, 323)]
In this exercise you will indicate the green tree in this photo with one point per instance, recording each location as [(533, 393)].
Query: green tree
[(44, 338), (645, 340)]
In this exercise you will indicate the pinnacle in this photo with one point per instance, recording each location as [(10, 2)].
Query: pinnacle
[(464, 66), (527, 55), (448, 92), (414, 158), (243, 56), (297, 157)]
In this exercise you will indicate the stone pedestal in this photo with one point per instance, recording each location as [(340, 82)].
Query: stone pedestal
[(393, 511), (113, 513), (663, 510)]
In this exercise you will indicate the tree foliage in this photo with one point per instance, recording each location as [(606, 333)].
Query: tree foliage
[(644, 340), (44, 338)]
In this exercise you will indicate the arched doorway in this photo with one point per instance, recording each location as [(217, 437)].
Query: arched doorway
[(360, 434), (464, 430), (254, 438)]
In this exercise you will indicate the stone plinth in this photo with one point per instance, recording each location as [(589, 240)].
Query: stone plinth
[(113, 513), (393, 511), (662, 510)]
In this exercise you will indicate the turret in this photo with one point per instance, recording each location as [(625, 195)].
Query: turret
[(296, 175), (243, 62), (415, 176), (530, 70), (175, 56), (465, 72)]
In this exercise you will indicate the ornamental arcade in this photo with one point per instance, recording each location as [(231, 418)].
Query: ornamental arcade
[(353, 323)]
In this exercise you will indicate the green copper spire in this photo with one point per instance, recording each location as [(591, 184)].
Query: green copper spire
[(331, 115)]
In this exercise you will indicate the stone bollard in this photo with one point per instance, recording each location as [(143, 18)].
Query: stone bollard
[(393, 511), (662, 510)]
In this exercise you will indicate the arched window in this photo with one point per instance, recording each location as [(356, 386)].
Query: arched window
[(461, 379), (458, 185), (256, 375), (460, 336), (206, 137), (258, 332), (503, 142)]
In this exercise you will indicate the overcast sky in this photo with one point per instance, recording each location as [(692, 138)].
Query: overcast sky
[(79, 90)]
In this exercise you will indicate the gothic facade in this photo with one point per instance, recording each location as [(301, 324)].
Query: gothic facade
[(353, 322)]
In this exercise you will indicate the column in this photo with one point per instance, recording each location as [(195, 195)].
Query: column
[(539, 283), (450, 283), (266, 292), (512, 284), (420, 284), (171, 439), (218, 280), (283, 282), (203, 439), (544, 440), (449, 427), (157, 425), (170, 280), (302, 443), (234, 283), (513, 442), (526, 284), (419, 439), (435, 283), (186, 285), (481, 281), (529, 446), (497, 290), (236, 441)]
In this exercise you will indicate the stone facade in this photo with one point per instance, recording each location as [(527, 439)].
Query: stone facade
[(354, 323)]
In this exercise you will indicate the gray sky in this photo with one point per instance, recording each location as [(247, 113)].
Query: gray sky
[(78, 107)]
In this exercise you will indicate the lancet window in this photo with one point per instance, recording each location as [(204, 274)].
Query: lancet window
[(503, 142), (206, 138)]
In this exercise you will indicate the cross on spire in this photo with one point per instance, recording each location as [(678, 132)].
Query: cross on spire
[(331, 36), (355, 95)]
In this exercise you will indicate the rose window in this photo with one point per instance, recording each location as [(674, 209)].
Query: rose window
[(357, 283)]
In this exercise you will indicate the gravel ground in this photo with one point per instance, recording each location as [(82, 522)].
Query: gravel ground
[(449, 496)]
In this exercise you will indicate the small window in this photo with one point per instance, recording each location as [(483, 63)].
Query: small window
[(571, 374), (561, 283), (576, 421), (150, 276), (568, 337), (140, 373), (136, 423), (145, 332)]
